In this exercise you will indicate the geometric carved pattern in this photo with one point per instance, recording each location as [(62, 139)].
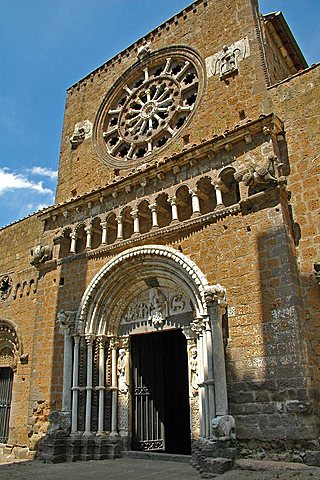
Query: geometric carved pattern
[(149, 106)]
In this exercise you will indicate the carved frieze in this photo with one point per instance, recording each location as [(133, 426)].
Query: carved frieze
[(154, 306)]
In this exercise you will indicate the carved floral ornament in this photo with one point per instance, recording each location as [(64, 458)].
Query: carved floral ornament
[(149, 106)]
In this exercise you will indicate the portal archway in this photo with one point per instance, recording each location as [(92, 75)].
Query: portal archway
[(143, 290), (10, 348)]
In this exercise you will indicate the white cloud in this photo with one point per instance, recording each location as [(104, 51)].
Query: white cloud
[(45, 172), (13, 181)]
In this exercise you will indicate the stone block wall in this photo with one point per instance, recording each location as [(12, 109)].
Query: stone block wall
[(262, 256), (296, 100), (223, 105)]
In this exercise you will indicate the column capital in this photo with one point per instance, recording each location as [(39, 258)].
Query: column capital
[(102, 340), (198, 325), (89, 338), (215, 294), (114, 341), (88, 228), (153, 206), (66, 322), (134, 213)]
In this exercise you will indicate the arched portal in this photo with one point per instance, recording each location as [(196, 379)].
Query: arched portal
[(145, 290), (10, 347)]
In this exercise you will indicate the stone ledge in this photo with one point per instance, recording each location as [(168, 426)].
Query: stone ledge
[(269, 465)]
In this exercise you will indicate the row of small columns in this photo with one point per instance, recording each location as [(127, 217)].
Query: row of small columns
[(212, 374), (89, 386), (136, 221)]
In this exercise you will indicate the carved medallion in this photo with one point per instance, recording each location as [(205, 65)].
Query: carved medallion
[(148, 107), (5, 287)]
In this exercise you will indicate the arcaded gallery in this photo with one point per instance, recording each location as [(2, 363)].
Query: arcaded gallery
[(169, 300)]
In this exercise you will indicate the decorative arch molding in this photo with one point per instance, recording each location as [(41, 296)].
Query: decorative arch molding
[(97, 339), (10, 344), (122, 278)]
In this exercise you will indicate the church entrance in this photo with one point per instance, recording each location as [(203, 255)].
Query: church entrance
[(160, 393), (6, 381)]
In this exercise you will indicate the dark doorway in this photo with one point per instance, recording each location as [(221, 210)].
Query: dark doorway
[(6, 380), (161, 414)]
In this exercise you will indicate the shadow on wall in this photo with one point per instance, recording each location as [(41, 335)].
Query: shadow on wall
[(69, 286), (269, 383)]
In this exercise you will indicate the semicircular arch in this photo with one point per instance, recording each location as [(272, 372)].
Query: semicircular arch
[(128, 274)]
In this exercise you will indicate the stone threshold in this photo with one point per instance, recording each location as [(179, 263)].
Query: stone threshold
[(157, 456)]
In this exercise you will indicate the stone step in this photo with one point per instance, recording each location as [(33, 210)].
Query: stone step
[(168, 457), (268, 465)]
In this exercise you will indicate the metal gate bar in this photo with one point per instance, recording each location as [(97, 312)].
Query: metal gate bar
[(6, 380)]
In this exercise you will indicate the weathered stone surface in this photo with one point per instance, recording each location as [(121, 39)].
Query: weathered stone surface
[(261, 250)]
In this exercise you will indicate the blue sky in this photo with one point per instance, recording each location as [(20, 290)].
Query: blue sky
[(46, 46)]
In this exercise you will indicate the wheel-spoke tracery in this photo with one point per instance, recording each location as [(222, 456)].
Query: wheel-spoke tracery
[(149, 107)]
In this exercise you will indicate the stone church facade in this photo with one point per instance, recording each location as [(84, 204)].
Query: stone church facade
[(168, 300)]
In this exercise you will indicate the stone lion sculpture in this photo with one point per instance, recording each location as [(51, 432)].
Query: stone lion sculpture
[(41, 254), (223, 427)]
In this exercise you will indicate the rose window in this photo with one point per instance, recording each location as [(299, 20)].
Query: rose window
[(149, 106)]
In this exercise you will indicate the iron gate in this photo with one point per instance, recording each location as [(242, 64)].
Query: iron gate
[(147, 394), (6, 380)]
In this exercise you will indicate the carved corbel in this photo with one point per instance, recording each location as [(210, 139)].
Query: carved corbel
[(259, 172), (144, 51), (41, 254), (5, 287)]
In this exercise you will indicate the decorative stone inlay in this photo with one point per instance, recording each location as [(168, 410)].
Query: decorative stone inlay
[(5, 287), (225, 63), (148, 106), (82, 131)]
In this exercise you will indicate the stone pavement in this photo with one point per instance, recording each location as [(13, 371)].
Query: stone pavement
[(138, 469)]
